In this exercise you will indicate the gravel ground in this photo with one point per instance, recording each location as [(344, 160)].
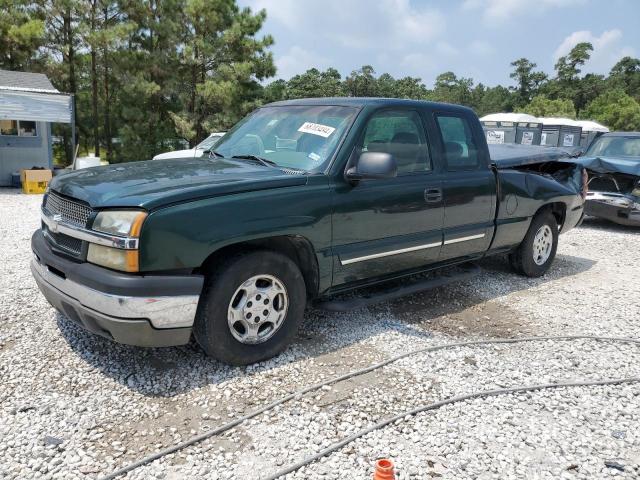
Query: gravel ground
[(75, 406)]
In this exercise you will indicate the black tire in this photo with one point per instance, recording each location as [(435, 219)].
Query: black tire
[(211, 328), (522, 259)]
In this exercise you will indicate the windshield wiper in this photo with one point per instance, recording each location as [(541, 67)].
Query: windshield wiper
[(213, 152), (256, 158)]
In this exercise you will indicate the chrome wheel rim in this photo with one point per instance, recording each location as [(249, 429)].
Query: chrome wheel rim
[(542, 244), (257, 309)]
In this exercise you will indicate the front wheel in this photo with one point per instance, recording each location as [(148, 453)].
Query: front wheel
[(535, 254), (251, 308)]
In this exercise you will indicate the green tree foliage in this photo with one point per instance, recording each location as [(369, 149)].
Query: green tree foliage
[(542, 106), (314, 83), (491, 99), (568, 66), (21, 34), (527, 80), (626, 75), (451, 89), (568, 84), (146, 74), (222, 63), (361, 83), (615, 109)]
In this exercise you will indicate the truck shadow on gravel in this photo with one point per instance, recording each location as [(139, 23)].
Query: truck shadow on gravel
[(332, 339)]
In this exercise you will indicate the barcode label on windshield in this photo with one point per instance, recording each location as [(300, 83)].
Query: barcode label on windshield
[(316, 129)]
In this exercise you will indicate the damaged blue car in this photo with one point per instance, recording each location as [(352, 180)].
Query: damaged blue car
[(613, 164)]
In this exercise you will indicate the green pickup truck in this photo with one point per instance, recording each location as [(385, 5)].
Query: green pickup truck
[(301, 200)]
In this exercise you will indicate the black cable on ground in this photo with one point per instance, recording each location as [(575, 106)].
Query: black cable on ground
[(433, 406), (234, 423)]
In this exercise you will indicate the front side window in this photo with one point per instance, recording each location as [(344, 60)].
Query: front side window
[(400, 133), (22, 128), (460, 149), (303, 137)]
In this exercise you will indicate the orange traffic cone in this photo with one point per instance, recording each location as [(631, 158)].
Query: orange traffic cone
[(384, 470)]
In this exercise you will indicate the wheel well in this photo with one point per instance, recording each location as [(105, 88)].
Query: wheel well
[(558, 209), (297, 248)]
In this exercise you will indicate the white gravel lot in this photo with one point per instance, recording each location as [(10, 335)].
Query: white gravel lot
[(76, 406)]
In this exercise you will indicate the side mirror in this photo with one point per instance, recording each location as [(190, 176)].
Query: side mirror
[(373, 165)]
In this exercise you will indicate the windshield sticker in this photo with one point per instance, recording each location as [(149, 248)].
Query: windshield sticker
[(315, 157), (272, 122), (316, 129)]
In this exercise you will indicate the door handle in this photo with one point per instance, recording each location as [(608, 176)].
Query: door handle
[(433, 195)]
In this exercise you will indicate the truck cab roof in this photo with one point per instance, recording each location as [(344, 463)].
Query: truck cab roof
[(361, 102)]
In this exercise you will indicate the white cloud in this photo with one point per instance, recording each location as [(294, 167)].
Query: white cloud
[(364, 29), (283, 11), (607, 49), (357, 23), (481, 48), (297, 60), (417, 64), (446, 49), (499, 11)]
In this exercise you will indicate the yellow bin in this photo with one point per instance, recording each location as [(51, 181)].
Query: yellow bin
[(35, 181)]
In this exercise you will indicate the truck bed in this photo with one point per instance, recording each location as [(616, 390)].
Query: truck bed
[(513, 155)]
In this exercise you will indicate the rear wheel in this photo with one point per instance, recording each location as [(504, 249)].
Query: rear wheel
[(535, 254), (251, 308)]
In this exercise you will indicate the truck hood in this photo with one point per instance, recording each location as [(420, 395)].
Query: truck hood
[(155, 183), (626, 165)]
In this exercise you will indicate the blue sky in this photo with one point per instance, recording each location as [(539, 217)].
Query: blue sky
[(473, 38)]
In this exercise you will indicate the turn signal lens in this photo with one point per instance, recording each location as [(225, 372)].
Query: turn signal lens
[(114, 258)]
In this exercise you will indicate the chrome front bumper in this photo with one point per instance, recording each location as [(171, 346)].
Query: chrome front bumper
[(162, 312), (145, 310)]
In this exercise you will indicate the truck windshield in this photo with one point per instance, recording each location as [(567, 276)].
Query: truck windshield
[(300, 137), (615, 147)]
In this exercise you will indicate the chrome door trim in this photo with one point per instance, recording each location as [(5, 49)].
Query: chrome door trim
[(464, 239), (389, 253)]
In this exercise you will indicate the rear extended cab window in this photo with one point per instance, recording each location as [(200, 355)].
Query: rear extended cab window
[(459, 146)]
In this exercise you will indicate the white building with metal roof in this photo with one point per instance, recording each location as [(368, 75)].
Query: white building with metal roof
[(29, 103)]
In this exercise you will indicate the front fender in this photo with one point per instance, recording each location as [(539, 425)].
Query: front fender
[(182, 236)]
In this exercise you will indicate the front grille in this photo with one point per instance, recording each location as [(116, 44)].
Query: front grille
[(64, 242), (71, 211)]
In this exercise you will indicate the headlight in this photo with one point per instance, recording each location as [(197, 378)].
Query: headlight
[(636, 191), (126, 223), (115, 258), (122, 223)]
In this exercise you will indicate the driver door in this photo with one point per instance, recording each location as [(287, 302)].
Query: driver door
[(384, 226)]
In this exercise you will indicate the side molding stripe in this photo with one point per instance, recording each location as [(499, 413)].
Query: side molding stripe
[(410, 249), (464, 239), (389, 253)]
